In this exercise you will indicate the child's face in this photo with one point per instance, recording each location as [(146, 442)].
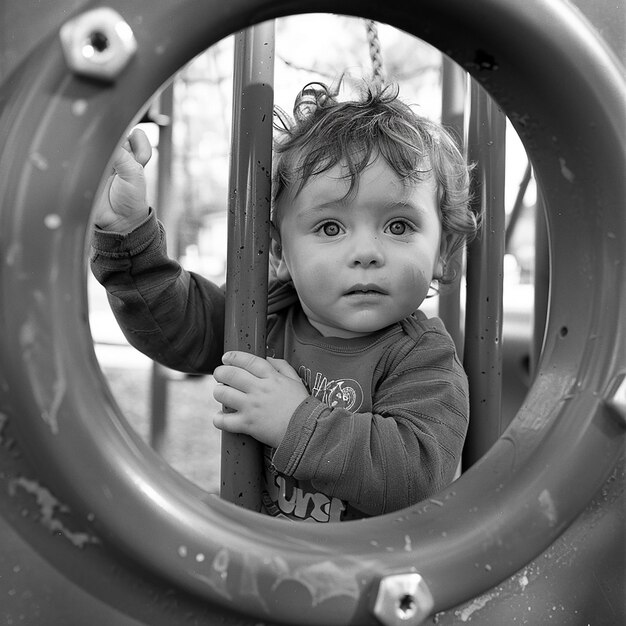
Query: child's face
[(366, 261)]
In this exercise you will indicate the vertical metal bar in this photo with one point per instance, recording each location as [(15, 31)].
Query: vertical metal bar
[(453, 99), (158, 382), (483, 321), (248, 239)]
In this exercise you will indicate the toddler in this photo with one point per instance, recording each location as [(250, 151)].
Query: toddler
[(361, 402)]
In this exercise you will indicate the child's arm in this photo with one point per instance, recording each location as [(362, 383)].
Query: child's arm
[(173, 316), (406, 450)]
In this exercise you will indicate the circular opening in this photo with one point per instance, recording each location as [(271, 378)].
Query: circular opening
[(150, 396), (197, 236)]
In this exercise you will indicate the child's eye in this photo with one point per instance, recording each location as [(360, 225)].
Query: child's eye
[(330, 229), (398, 227)]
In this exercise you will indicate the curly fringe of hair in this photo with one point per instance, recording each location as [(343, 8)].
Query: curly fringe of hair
[(324, 132)]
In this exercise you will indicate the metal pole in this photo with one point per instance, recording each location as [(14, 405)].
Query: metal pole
[(248, 239), (453, 96), (483, 320), (158, 380)]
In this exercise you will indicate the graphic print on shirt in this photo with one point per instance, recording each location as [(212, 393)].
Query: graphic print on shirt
[(284, 497), (342, 393)]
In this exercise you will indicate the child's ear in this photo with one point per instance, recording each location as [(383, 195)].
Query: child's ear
[(444, 255), (439, 268), (277, 258)]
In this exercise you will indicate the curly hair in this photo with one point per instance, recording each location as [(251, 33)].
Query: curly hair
[(324, 132)]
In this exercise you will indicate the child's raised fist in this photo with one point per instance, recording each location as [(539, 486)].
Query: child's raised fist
[(122, 206)]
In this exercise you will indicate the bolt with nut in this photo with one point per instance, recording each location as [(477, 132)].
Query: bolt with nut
[(403, 599), (98, 44)]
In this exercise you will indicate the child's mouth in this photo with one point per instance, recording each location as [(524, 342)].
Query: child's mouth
[(368, 289)]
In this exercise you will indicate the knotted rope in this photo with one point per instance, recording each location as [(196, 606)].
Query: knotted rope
[(375, 52)]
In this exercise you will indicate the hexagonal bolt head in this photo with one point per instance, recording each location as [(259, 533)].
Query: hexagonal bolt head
[(98, 43), (403, 600)]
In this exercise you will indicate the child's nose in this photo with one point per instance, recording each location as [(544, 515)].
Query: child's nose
[(367, 251)]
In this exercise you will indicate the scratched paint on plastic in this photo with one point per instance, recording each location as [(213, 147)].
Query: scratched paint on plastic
[(49, 508)]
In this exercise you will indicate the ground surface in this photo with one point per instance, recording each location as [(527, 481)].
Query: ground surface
[(191, 444)]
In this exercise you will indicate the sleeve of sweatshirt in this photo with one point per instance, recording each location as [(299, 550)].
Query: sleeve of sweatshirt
[(402, 452), (173, 316)]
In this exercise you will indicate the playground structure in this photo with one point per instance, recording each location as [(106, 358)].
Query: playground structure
[(96, 529)]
